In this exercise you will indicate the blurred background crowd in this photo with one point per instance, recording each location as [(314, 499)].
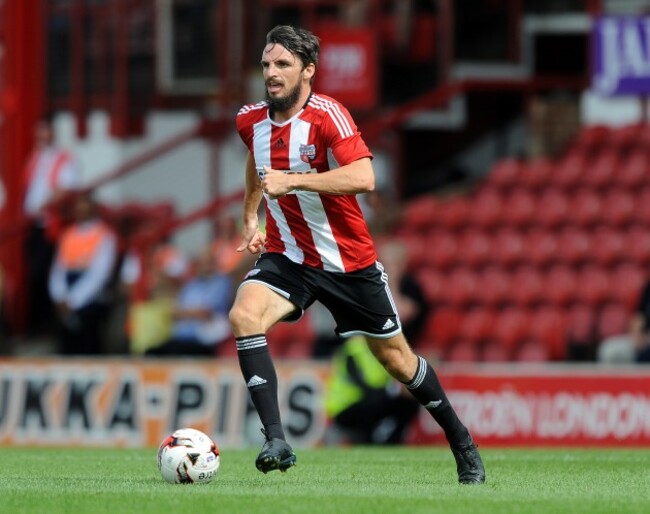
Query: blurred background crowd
[(511, 145)]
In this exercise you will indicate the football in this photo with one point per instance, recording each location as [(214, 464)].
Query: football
[(188, 456)]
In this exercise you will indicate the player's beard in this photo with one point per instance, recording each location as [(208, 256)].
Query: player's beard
[(283, 104)]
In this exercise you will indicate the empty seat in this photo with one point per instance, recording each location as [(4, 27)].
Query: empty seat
[(476, 325), (420, 214), (508, 247), (442, 249), (463, 351), (504, 173), (527, 286), (485, 211), (510, 327), (608, 246), (586, 208), (519, 208), (531, 351), (553, 209), (493, 287), (581, 325), (536, 173), (634, 171), (460, 286), (627, 280), (574, 246), (474, 248), (560, 285), (431, 281), (455, 213), (637, 244), (541, 247), (613, 319), (441, 330), (548, 326), (618, 207), (569, 171), (493, 351), (593, 285), (602, 170)]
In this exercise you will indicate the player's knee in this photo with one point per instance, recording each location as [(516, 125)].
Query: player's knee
[(240, 317)]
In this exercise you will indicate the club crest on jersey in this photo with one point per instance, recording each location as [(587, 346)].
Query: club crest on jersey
[(307, 152)]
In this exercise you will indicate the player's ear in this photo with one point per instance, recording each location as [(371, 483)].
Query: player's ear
[(309, 71)]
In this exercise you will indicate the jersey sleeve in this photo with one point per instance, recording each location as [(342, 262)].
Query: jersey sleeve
[(343, 136)]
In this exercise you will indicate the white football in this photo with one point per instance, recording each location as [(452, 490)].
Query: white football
[(188, 456)]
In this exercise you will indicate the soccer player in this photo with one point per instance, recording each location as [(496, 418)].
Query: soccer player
[(308, 160)]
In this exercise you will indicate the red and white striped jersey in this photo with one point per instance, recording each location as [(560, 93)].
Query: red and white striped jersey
[(324, 231)]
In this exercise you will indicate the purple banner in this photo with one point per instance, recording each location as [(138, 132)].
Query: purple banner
[(621, 56)]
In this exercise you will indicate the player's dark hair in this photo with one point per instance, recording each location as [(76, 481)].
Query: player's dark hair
[(299, 42)]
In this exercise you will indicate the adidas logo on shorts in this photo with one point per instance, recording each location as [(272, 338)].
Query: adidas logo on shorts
[(388, 324)]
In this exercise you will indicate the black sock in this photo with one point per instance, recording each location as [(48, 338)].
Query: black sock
[(262, 382), (426, 388)]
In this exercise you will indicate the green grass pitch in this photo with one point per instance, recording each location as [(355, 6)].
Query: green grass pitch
[(329, 480)]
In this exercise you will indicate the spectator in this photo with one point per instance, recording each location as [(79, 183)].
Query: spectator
[(366, 404), (49, 173), (227, 259), (80, 279), (150, 283), (200, 315), (635, 345)]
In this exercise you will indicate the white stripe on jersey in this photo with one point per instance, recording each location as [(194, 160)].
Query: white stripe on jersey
[(251, 107), (334, 112)]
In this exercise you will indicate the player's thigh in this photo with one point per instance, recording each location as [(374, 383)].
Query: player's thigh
[(257, 308)]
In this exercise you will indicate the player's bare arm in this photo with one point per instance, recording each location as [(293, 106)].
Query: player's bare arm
[(252, 239), (354, 178)]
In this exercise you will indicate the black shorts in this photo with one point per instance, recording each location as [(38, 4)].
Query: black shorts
[(360, 301)]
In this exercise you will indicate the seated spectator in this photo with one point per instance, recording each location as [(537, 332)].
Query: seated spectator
[(150, 283), (80, 279), (366, 405), (200, 314), (635, 345), (226, 240)]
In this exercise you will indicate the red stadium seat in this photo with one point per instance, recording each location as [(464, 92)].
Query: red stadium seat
[(553, 209), (594, 285), (455, 213), (508, 247), (574, 246), (560, 285), (627, 280), (569, 171), (642, 206), (541, 247), (504, 174), (618, 207), (463, 351), (476, 325), (520, 208), (442, 249), (510, 327), (581, 325), (441, 330), (634, 170), (492, 351), (420, 214), (536, 173), (613, 319), (292, 339), (637, 245), (485, 211), (548, 326), (493, 288), (586, 208), (527, 286), (431, 281), (531, 351), (460, 286), (474, 248), (608, 246), (602, 170)]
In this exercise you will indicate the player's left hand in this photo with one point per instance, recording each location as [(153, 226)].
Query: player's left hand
[(276, 183)]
